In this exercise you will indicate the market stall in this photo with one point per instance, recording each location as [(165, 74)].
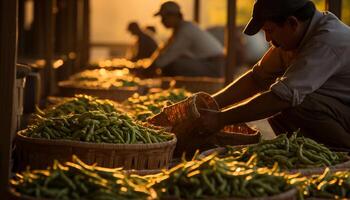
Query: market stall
[(116, 130)]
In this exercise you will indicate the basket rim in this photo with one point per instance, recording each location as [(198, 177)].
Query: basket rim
[(72, 143), (291, 191), (70, 85), (222, 133)]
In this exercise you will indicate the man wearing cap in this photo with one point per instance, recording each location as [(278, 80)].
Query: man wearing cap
[(303, 80), (190, 51)]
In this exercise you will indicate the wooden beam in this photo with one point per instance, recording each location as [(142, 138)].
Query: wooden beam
[(85, 52), (66, 36), (230, 43), (196, 12), (82, 34), (8, 56), (334, 6)]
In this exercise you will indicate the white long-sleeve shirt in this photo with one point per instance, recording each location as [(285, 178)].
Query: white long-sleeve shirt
[(321, 63), (189, 41)]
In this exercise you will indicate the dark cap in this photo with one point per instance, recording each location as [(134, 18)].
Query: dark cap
[(169, 7), (264, 9)]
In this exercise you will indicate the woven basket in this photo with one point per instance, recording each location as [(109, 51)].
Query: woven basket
[(39, 153), (183, 118), (67, 88), (238, 134), (194, 84), (17, 196), (304, 172), (288, 195)]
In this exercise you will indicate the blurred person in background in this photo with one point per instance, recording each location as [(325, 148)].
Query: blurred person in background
[(145, 44), (189, 51)]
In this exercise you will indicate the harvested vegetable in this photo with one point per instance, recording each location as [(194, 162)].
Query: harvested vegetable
[(220, 177), (79, 104), (290, 153), (146, 106), (76, 180), (97, 127), (102, 78), (330, 185)]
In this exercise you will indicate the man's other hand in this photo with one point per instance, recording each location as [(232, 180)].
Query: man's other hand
[(209, 121)]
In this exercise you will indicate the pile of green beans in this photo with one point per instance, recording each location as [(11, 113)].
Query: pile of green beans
[(219, 177), (290, 153), (142, 107), (330, 185), (97, 127), (76, 180), (78, 105)]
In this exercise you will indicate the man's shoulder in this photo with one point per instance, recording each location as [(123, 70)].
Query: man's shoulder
[(330, 30)]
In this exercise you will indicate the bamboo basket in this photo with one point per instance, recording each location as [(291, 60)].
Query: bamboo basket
[(67, 89), (288, 195), (194, 84), (291, 194), (183, 118), (40, 153), (17, 196), (238, 134)]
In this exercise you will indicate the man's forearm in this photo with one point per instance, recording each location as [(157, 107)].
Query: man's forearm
[(259, 107), (240, 89)]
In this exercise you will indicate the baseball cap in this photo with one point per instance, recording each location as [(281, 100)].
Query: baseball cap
[(169, 7), (264, 9)]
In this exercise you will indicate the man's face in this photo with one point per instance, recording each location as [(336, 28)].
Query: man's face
[(284, 36), (168, 20)]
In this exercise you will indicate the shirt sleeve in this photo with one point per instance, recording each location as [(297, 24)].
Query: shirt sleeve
[(307, 72), (174, 49)]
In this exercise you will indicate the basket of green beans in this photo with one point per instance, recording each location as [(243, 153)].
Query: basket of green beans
[(293, 154), (142, 107), (70, 88), (222, 178), (77, 180), (109, 139)]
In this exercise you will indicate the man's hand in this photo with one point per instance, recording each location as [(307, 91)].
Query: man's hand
[(209, 121)]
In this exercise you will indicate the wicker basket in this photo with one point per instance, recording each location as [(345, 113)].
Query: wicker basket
[(183, 118), (194, 84), (238, 134), (17, 196), (304, 172), (39, 153), (288, 195), (67, 88)]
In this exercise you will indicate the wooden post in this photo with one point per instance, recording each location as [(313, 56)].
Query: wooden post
[(231, 55), (196, 13), (334, 6), (8, 56), (44, 21), (85, 43), (82, 34), (66, 36), (49, 35)]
